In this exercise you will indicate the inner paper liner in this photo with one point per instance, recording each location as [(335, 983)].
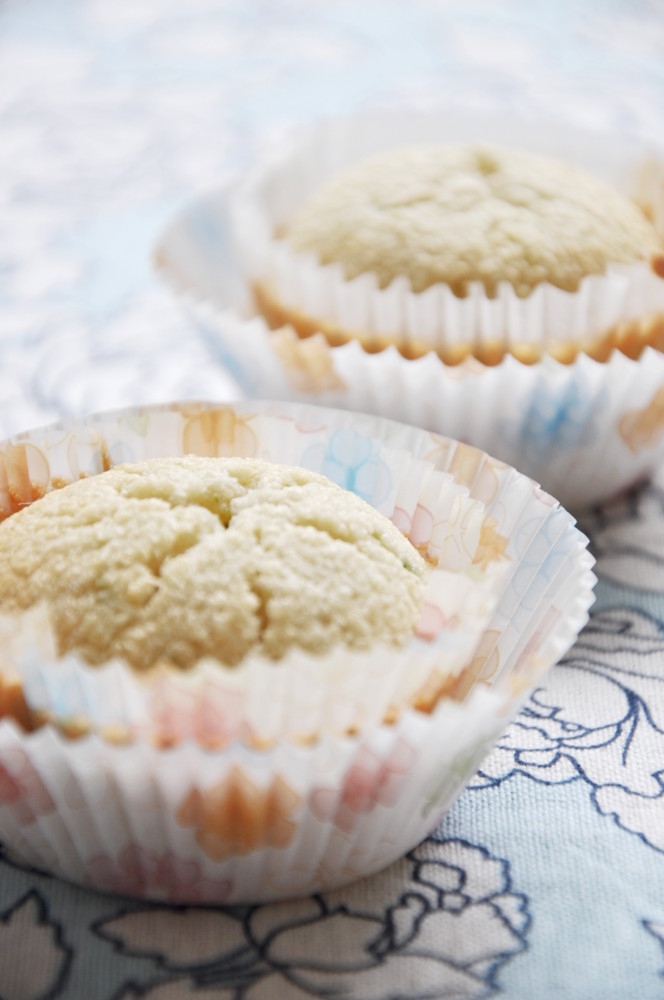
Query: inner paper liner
[(549, 319), (515, 572)]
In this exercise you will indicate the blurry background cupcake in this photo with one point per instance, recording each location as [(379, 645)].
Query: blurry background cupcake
[(461, 222), (450, 271)]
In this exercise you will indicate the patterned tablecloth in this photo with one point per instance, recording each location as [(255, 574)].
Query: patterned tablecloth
[(547, 877)]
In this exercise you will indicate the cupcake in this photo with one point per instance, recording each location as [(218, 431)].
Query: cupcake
[(180, 597), (174, 559), (304, 760), (532, 334), (446, 220)]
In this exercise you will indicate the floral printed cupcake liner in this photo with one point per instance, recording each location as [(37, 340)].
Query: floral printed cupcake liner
[(219, 815), (238, 825), (584, 429)]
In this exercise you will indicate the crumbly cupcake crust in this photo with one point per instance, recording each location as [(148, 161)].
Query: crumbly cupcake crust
[(179, 558), (457, 214)]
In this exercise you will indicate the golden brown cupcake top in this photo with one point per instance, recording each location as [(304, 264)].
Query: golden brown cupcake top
[(456, 214), (180, 558)]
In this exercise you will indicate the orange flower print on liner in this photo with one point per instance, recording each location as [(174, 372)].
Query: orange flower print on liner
[(529, 656), (25, 474), (13, 704), (370, 781), (24, 477), (468, 465), (491, 546), (217, 433), (309, 364), (483, 666), (236, 816), (642, 428)]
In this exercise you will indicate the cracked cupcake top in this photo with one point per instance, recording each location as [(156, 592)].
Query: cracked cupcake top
[(456, 214), (180, 558)]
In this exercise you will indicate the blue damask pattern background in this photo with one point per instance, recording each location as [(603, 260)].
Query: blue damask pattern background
[(547, 877)]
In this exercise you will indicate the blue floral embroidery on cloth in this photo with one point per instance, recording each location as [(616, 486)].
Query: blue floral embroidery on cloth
[(442, 922), (598, 718)]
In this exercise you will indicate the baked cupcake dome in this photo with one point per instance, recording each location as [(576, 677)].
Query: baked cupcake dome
[(466, 250), (179, 558), (456, 214)]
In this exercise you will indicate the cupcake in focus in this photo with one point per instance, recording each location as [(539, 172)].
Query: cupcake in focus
[(240, 597), (377, 638), (175, 559)]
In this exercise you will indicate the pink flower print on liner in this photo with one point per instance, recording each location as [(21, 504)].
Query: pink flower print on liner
[(213, 716), (22, 790), (371, 780), (140, 872), (432, 621), (402, 520)]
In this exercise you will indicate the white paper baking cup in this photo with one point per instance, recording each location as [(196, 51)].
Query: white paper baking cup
[(549, 320), (585, 430), (509, 562), (187, 825)]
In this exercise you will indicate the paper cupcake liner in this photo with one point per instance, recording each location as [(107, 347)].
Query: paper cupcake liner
[(192, 826), (261, 700), (585, 431), (495, 536), (294, 288)]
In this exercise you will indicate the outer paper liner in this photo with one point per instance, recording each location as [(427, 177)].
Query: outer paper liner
[(585, 430), (193, 826), (243, 823)]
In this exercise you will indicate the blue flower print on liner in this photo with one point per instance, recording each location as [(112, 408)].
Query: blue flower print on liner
[(598, 718), (353, 462), (565, 419), (443, 921), (539, 553)]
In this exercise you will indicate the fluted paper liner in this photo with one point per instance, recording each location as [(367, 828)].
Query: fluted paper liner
[(248, 822), (188, 825), (584, 430), (295, 287)]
